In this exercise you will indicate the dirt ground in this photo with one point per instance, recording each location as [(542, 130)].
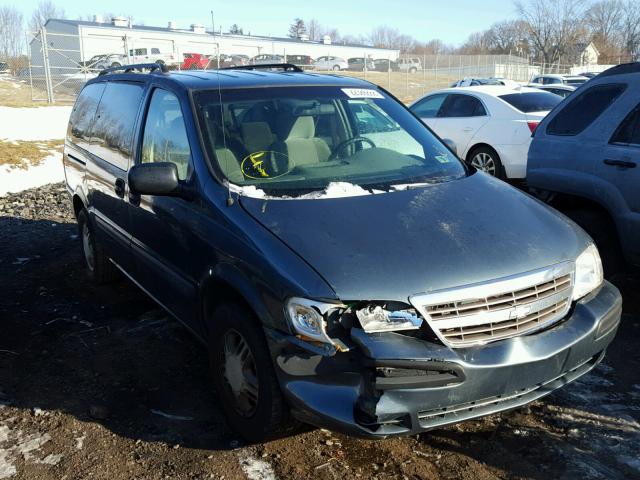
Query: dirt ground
[(97, 382)]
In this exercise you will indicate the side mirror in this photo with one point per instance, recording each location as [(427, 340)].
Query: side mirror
[(154, 179), (450, 143)]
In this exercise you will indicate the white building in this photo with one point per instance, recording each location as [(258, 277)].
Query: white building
[(78, 41)]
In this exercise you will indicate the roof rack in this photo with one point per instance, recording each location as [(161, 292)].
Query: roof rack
[(286, 67), (152, 67), (621, 69)]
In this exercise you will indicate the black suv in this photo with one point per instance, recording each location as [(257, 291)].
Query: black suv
[(344, 268)]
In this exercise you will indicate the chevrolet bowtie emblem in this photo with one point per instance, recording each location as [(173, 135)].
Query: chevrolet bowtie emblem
[(519, 312)]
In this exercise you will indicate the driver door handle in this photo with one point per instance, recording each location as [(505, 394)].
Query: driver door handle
[(620, 163)]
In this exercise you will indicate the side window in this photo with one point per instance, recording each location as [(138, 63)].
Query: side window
[(628, 133), (84, 112), (462, 106), (112, 133), (165, 134), (428, 108), (155, 50), (536, 80), (583, 109)]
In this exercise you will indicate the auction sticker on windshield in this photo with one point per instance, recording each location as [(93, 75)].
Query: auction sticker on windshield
[(362, 93)]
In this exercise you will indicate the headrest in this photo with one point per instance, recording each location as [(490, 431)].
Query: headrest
[(303, 127), (256, 133)]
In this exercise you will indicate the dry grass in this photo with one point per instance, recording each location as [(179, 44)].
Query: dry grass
[(24, 154), (18, 93)]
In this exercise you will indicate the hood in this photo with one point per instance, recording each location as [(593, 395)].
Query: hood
[(389, 246)]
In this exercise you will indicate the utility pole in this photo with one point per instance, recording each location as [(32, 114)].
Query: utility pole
[(213, 28)]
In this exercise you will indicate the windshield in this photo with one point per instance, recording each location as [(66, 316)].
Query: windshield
[(299, 139), (528, 102)]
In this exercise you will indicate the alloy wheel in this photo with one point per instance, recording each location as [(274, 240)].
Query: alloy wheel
[(485, 162)]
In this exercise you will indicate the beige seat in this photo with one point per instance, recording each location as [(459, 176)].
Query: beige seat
[(227, 160), (302, 147), (257, 136)]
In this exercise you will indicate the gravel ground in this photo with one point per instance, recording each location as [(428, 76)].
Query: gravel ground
[(97, 382)]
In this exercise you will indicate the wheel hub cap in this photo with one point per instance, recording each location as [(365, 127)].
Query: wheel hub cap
[(87, 247), (240, 373)]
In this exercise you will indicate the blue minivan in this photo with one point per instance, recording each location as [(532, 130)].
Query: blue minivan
[(344, 268)]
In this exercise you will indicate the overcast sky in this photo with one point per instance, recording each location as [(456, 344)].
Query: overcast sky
[(450, 21)]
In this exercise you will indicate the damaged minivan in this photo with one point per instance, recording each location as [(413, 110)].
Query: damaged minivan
[(344, 268)]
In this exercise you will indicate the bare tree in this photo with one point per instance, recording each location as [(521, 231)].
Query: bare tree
[(604, 20), (553, 25), (630, 29), (313, 29), (43, 12), (11, 39), (386, 37)]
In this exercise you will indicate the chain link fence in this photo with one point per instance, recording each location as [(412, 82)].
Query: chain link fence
[(60, 64)]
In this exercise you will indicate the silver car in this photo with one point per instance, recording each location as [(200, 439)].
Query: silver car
[(331, 63)]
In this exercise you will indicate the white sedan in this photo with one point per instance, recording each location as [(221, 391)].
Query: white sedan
[(331, 63), (490, 126)]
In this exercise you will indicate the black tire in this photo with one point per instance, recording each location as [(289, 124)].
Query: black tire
[(488, 157), (336, 68), (96, 261), (115, 64), (603, 232), (267, 415)]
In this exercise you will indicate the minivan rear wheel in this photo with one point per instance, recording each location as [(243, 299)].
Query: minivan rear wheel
[(244, 376), (97, 263), (487, 160)]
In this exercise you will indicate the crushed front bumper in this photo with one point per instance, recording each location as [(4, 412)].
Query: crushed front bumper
[(434, 385)]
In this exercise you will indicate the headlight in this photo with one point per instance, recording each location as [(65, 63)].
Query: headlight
[(377, 318), (588, 272), (307, 318)]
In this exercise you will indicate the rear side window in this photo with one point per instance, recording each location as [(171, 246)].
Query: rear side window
[(528, 102), (113, 129), (462, 106), (583, 109), (428, 108), (628, 133), (84, 112), (165, 134), (155, 50)]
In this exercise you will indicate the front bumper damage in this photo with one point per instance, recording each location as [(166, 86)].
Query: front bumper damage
[(392, 384)]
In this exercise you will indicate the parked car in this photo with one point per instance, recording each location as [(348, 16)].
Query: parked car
[(195, 61), (4, 68), (562, 90), (588, 74), (151, 54), (586, 154), (266, 58), (557, 79), (108, 60), (229, 61), (491, 126), (411, 65), (413, 293), (303, 61), (475, 82), (331, 63), (357, 64), (385, 65)]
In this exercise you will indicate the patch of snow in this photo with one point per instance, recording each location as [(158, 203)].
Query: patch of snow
[(333, 190), (40, 123), (14, 180), (80, 442), (256, 469), (14, 443)]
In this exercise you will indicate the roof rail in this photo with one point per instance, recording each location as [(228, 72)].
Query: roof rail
[(286, 67), (152, 67), (633, 67)]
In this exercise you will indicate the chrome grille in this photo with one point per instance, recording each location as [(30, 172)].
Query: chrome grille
[(499, 309)]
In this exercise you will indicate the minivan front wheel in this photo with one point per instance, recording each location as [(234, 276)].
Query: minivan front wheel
[(487, 160), (98, 265), (244, 376)]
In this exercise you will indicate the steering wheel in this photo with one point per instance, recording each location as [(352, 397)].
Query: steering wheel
[(348, 142)]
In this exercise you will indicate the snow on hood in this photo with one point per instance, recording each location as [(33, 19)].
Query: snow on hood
[(333, 190)]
